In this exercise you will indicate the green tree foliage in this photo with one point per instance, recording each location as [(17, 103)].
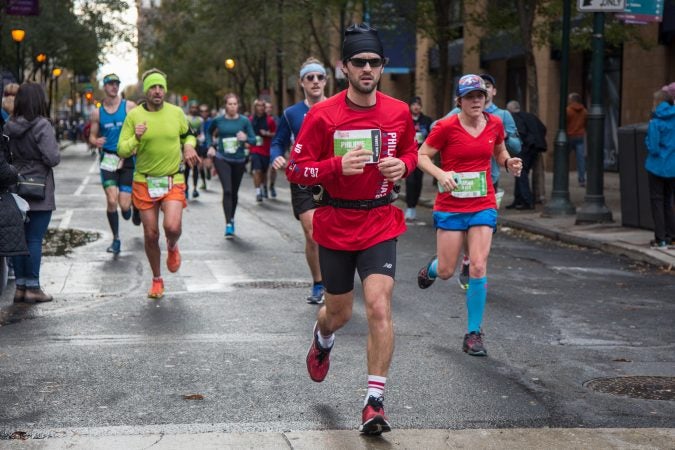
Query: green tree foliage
[(440, 21), (532, 24), (73, 34), (268, 39)]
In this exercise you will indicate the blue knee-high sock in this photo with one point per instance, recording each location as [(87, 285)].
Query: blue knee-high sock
[(432, 269), (476, 297)]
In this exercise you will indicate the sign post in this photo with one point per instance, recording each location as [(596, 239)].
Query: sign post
[(601, 5)]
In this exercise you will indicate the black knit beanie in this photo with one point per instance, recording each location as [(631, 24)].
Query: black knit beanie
[(361, 38)]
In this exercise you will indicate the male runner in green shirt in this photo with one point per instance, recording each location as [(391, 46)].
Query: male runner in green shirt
[(154, 133)]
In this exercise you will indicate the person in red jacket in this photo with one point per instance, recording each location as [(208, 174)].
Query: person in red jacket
[(576, 133), (356, 145)]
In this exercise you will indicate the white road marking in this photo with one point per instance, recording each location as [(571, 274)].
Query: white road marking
[(94, 167), (82, 185), (65, 220)]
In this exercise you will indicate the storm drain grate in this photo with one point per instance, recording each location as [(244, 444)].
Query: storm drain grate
[(272, 284), (645, 387)]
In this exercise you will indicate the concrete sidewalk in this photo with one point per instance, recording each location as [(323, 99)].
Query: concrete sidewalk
[(609, 237)]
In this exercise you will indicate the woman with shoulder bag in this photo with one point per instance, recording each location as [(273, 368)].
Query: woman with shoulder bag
[(34, 152)]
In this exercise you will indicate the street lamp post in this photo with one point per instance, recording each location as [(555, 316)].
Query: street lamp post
[(56, 73), (559, 204), (41, 58), (594, 209), (71, 99), (17, 36), (229, 65)]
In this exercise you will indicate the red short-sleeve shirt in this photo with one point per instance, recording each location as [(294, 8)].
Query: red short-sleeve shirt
[(462, 152)]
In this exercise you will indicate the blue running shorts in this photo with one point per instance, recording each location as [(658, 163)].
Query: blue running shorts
[(464, 221)]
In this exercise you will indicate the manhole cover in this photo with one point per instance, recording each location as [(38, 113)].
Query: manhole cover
[(272, 284), (648, 388)]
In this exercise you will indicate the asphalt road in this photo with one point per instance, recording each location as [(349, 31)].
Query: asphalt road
[(234, 328)]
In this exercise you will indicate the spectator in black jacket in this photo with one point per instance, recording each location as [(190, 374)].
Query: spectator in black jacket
[(8, 173), (12, 240), (533, 135)]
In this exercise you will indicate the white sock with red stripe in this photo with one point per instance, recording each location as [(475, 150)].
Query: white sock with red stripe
[(375, 387)]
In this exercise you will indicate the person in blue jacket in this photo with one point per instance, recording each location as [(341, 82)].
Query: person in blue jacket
[(313, 82), (660, 165)]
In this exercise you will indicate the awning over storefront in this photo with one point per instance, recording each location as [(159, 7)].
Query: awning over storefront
[(498, 47), (399, 47), (455, 52)]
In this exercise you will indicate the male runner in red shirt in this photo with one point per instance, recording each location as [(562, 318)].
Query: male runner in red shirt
[(356, 145)]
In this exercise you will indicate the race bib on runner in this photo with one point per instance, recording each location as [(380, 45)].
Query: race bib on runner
[(258, 141), (110, 162), (159, 186), (230, 145), (469, 185), (419, 137), (346, 140)]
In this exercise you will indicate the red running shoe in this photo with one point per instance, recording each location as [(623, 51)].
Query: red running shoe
[(374, 420), (318, 358), (157, 289), (173, 260)]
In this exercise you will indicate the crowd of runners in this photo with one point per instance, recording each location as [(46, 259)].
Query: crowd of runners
[(344, 157)]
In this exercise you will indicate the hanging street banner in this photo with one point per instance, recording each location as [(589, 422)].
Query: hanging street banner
[(22, 8), (642, 11), (601, 5)]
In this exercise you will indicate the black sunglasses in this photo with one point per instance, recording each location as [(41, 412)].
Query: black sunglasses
[(319, 77), (373, 62)]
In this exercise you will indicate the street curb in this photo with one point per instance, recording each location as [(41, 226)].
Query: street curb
[(632, 252), (568, 238)]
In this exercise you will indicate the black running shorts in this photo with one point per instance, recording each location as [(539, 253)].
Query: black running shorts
[(122, 178), (338, 266), (301, 199), (259, 162)]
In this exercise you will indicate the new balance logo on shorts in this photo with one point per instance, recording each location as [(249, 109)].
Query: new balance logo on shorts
[(388, 265)]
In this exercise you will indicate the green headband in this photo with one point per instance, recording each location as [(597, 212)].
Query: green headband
[(152, 80)]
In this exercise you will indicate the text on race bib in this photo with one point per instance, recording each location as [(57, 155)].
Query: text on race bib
[(345, 141), (159, 186), (469, 185)]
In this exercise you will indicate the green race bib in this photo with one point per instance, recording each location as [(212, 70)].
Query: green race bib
[(347, 140), (230, 145), (159, 186), (419, 137), (258, 141), (110, 162), (469, 185)]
